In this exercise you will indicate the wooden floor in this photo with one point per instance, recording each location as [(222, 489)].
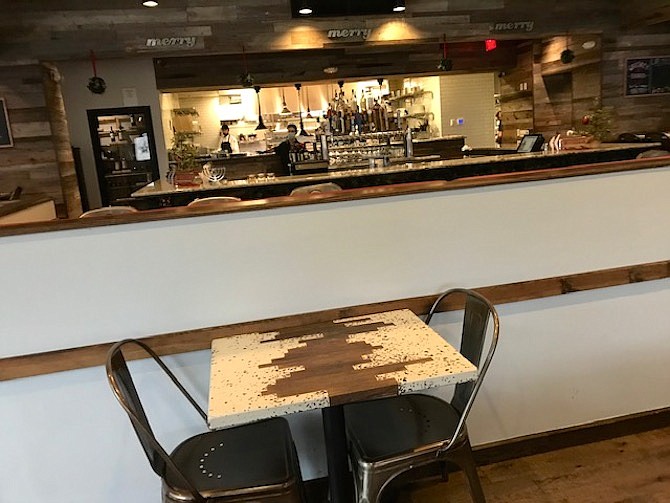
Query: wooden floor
[(631, 469)]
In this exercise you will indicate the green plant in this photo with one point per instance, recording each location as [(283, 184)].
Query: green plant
[(598, 121), (184, 153)]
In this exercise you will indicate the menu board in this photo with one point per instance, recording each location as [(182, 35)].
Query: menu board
[(648, 76)]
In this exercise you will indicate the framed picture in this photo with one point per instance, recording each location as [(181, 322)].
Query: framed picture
[(5, 129)]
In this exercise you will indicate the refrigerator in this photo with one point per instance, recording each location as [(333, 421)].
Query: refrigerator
[(124, 149)]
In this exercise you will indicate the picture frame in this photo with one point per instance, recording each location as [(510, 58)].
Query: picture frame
[(6, 139)]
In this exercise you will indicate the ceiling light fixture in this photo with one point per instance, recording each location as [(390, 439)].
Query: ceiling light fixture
[(305, 9), (150, 3), (399, 6)]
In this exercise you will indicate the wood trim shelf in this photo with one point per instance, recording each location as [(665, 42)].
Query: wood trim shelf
[(194, 340), (345, 195)]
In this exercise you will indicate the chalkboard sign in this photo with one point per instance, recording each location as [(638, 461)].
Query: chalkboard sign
[(5, 130), (647, 76)]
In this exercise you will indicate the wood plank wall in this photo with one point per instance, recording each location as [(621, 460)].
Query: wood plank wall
[(563, 93), (636, 113), (516, 96), (31, 163)]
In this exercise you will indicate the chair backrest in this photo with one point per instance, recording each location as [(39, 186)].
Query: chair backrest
[(210, 202), (124, 389), (108, 210), (316, 189), (478, 311)]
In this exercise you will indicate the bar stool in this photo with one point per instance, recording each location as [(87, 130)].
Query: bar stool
[(108, 211), (211, 202)]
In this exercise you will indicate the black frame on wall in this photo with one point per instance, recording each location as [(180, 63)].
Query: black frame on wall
[(6, 139)]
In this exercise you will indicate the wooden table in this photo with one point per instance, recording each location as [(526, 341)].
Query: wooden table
[(324, 366)]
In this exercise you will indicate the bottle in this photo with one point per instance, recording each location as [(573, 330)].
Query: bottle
[(409, 146)]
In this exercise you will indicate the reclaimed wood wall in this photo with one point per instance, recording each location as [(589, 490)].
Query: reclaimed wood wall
[(32, 162), (635, 114), (516, 95), (564, 92)]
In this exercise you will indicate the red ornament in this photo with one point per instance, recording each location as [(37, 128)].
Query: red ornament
[(490, 44), (586, 119)]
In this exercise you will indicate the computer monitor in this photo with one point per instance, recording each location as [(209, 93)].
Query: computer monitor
[(530, 143)]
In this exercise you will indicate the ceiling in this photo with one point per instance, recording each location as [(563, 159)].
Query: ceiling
[(69, 29)]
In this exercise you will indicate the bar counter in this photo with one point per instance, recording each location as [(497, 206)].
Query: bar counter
[(160, 193)]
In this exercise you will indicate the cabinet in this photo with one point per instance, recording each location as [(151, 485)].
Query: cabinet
[(124, 149)]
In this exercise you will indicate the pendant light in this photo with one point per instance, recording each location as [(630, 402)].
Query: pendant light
[(302, 127), (260, 116), (305, 9), (285, 110), (309, 112)]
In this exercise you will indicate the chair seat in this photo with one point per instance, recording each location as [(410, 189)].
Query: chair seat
[(237, 461), (387, 428)]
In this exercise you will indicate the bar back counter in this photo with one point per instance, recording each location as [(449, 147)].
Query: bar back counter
[(577, 265)]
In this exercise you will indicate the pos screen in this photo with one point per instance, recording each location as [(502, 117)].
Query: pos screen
[(530, 143)]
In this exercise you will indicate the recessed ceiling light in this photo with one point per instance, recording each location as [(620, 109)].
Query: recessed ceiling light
[(589, 44), (150, 3), (330, 69), (305, 9), (399, 6)]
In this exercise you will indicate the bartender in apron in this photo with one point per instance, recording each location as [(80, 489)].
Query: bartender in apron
[(228, 143)]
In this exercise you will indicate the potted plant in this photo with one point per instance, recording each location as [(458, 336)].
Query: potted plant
[(184, 166)]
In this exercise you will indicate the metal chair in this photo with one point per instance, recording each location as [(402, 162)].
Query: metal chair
[(253, 462), (388, 437), (108, 211), (316, 189), (210, 202)]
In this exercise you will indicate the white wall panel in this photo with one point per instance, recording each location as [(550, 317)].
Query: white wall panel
[(562, 361)]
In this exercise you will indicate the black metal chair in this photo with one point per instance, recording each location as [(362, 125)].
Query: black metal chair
[(388, 437), (252, 462)]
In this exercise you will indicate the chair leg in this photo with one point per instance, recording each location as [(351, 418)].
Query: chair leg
[(463, 457)]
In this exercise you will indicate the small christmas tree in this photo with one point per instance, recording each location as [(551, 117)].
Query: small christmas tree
[(598, 122)]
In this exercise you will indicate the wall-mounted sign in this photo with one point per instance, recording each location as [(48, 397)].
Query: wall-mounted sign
[(172, 42), (349, 33), (513, 27), (647, 76), (5, 129)]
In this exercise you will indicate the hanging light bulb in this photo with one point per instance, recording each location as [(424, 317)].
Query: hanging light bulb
[(260, 116)]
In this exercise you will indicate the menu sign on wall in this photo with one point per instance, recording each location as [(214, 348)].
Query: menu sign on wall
[(647, 76)]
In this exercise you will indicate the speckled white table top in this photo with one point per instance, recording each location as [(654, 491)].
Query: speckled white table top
[(260, 375)]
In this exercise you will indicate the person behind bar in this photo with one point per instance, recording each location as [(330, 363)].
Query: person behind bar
[(229, 144), (288, 146)]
